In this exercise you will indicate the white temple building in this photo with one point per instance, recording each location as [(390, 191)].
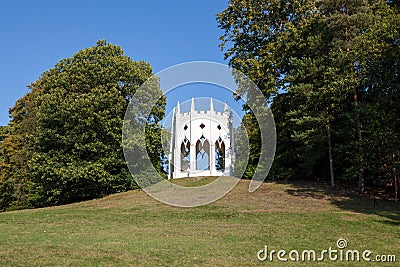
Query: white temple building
[(201, 142)]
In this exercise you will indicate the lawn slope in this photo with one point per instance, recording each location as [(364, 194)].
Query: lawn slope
[(133, 229)]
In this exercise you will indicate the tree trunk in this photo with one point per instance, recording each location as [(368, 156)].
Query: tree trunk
[(396, 189), (361, 179), (328, 126), (396, 184)]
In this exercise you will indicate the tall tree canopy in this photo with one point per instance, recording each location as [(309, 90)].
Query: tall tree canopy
[(66, 132), (335, 66)]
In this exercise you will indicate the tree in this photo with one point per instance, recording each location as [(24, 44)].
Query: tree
[(256, 42), (324, 77), (260, 38), (379, 64), (154, 138), (75, 113), (80, 109), (334, 63), (241, 153), (14, 155)]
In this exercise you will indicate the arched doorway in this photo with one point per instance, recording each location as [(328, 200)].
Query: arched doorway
[(202, 154), (219, 155), (185, 155)]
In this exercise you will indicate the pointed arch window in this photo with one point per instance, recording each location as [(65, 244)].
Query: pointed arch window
[(202, 154), (220, 154), (185, 154)]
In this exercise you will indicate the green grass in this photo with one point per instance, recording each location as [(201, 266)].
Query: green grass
[(195, 181), (133, 229)]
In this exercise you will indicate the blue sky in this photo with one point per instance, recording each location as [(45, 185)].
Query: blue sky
[(37, 34)]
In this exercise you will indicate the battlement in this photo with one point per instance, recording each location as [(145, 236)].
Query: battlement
[(205, 112)]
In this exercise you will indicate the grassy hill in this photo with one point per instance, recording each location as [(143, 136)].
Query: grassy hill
[(133, 229)]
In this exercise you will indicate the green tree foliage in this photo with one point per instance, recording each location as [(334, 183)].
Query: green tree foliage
[(154, 138), (242, 153), (379, 109), (258, 39), (254, 145), (14, 155), (323, 76), (3, 132), (65, 135), (335, 65)]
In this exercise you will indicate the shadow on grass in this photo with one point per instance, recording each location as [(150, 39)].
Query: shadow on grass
[(349, 200)]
